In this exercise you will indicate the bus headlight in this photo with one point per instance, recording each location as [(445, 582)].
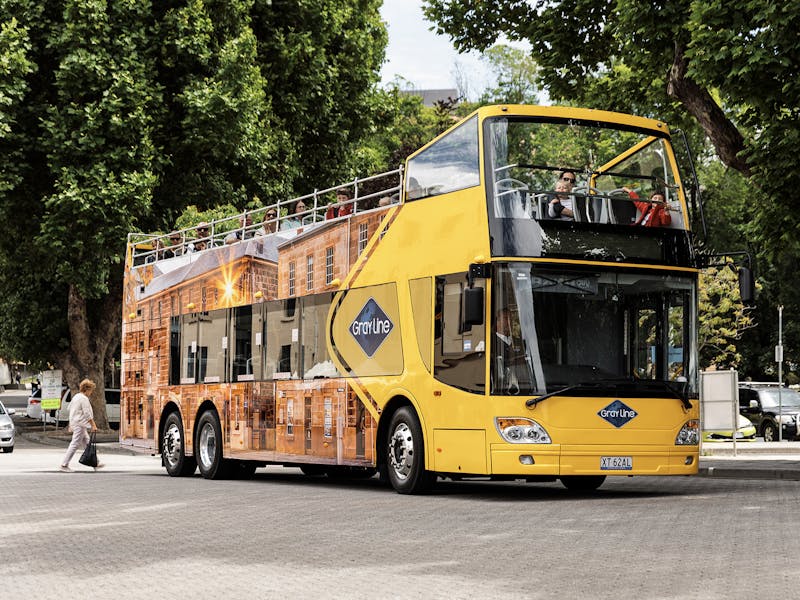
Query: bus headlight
[(517, 430), (689, 435)]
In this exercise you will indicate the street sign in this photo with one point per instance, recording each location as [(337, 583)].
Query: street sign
[(51, 390)]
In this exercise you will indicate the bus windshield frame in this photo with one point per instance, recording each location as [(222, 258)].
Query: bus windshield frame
[(598, 331)]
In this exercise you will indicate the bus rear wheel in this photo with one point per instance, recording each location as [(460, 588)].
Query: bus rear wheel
[(208, 447), (405, 454), (582, 483), (173, 452)]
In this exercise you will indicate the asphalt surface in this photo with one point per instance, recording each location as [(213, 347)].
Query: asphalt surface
[(745, 460)]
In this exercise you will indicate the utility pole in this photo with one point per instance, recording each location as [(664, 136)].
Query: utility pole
[(779, 360)]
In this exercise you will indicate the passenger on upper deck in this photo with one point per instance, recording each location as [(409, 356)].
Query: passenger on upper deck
[(268, 224), (244, 231), (654, 213), (203, 240), (342, 207), (294, 221), (157, 253), (176, 245), (561, 206)]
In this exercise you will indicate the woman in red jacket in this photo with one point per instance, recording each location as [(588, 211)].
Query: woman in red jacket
[(654, 213)]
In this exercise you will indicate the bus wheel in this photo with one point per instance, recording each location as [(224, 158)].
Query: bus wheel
[(173, 449), (582, 483), (405, 454), (208, 447)]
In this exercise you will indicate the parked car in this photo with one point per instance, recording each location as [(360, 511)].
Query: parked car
[(745, 431), (34, 408), (759, 402), (7, 429), (112, 408)]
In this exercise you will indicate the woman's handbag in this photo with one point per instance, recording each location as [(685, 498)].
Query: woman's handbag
[(89, 456)]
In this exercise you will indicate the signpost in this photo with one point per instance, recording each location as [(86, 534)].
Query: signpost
[(719, 401), (51, 392)]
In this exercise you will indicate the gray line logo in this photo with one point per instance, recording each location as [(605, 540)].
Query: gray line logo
[(617, 413), (371, 327)]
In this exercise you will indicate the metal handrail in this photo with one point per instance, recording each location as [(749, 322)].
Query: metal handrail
[(150, 248)]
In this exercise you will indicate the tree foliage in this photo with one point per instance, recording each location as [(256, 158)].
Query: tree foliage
[(723, 318), (117, 115)]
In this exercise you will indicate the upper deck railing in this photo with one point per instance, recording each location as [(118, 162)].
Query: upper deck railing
[(365, 194)]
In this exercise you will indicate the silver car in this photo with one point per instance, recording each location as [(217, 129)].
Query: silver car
[(6, 428)]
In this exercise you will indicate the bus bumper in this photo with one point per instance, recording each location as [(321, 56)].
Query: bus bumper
[(534, 459)]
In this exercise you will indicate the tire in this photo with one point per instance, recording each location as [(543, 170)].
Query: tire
[(770, 432), (582, 483), (208, 447), (405, 454), (173, 455)]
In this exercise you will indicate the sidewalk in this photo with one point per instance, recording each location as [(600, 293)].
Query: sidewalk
[(753, 460)]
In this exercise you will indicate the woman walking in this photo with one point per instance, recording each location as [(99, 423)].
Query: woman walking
[(81, 421)]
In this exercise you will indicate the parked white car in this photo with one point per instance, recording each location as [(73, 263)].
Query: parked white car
[(7, 429), (112, 408)]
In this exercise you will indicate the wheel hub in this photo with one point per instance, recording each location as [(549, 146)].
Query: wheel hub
[(173, 446), (207, 445), (401, 451)]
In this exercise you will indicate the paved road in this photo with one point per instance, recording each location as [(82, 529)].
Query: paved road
[(132, 532)]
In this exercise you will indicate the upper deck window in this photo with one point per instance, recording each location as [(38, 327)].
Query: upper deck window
[(449, 164), (581, 171)]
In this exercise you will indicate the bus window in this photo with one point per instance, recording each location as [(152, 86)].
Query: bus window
[(212, 344), (449, 164), (174, 350), (188, 337), (527, 156), (316, 362), (247, 333), (459, 354), (283, 340), (571, 327)]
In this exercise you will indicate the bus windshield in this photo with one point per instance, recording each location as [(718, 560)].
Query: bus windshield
[(556, 328), (601, 173)]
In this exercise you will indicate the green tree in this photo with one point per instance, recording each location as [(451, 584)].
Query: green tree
[(517, 75), (723, 319), (117, 115)]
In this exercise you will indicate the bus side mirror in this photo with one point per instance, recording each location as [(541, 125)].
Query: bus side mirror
[(747, 289), (473, 307)]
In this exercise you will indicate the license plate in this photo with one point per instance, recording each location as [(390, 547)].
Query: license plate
[(616, 463)]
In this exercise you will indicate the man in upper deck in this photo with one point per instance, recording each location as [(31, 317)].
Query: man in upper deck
[(561, 205)]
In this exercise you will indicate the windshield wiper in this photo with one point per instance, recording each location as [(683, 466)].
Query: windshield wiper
[(604, 383), (569, 388)]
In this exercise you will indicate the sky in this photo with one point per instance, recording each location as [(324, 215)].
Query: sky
[(424, 59)]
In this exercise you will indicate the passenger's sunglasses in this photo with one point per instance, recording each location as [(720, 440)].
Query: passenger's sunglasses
[(568, 179)]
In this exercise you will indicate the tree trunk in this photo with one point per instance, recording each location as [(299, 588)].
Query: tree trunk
[(94, 335), (726, 138)]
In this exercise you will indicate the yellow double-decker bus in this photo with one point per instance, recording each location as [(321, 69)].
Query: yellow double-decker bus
[(519, 301)]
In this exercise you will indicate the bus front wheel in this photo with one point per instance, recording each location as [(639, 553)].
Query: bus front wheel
[(405, 454), (582, 483), (208, 447), (173, 451)]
